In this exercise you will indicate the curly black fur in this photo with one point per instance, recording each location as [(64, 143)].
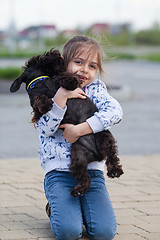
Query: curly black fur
[(88, 148)]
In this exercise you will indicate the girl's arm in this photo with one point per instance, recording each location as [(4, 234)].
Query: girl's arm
[(109, 113), (48, 124), (72, 132)]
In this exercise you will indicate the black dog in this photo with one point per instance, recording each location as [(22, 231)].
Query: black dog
[(43, 75)]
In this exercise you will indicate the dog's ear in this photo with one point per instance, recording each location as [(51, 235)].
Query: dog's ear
[(17, 83)]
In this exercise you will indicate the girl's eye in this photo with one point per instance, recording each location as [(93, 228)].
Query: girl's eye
[(92, 66), (78, 62)]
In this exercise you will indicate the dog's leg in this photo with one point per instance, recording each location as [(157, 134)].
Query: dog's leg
[(109, 151), (43, 103), (83, 184), (79, 170), (114, 169)]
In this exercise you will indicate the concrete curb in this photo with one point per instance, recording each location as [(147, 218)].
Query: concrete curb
[(121, 93)]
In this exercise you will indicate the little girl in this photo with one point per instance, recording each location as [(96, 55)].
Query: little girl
[(68, 214)]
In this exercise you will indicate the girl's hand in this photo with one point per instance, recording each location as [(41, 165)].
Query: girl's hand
[(70, 132), (77, 93), (73, 132), (62, 95)]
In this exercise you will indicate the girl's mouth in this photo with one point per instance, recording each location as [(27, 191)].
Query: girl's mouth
[(82, 78)]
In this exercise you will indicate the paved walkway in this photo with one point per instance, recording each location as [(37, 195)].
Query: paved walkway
[(135, 197)]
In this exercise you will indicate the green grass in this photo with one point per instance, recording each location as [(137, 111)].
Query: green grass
[(10, 72), (151, 57), (18, 54), (120, 56)]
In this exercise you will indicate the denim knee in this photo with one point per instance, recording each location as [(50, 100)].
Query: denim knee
[(67, 231), (102, 233)]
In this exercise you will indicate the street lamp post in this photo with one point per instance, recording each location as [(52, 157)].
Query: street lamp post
[(11, 33)]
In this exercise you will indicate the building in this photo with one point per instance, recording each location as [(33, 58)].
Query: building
[(99, 28), (34, 32)]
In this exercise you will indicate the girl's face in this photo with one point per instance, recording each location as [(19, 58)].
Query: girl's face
[(85, 66)]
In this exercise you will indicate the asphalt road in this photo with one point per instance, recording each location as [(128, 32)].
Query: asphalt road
[(139, 96)]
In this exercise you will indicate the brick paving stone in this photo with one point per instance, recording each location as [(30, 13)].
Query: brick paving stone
[(151, 236), (146, 197), (5, 195), (129, 229), (154, 219), (4, 210), (129, 220), (38, 224), (152, 211), (120, 198), (150, 227), (137, 205), (15, 235), (126, 236), (20, 217), (32, 193), (151, 189), (26, 186), (14, 203), (47, 233), (2, 228), (5, 218), (128, 212), (16, 225), (29, 209)]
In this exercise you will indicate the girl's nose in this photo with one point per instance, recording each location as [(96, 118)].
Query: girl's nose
[(84, 68)]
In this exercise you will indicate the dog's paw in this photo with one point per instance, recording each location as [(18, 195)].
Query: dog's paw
[(115, 172), (79, 191), (69, 81), (48, 210), (76, 193)]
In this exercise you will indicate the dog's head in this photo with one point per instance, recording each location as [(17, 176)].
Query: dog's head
[(48, 64)]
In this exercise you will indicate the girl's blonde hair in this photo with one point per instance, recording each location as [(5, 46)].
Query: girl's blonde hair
[(78, 44)]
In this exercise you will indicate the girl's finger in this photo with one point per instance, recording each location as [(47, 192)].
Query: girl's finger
[(81, 91), (62, 126), (82, 96)]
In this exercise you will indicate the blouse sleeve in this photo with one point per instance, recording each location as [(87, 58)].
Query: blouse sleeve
[(48, 124), (109, 110)]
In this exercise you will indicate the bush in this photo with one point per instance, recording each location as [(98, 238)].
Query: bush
[(149, 36), (18, 54), (10, 72), (57, 42), (152, 57)]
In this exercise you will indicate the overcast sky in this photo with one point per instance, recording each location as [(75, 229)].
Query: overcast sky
[(68, 14)]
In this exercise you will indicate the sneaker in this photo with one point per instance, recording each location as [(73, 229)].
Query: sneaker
[(48, 211)]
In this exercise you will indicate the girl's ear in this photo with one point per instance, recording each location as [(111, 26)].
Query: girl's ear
[(17, 83)]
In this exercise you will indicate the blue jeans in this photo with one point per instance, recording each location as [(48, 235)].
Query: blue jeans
[(68, 214)]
